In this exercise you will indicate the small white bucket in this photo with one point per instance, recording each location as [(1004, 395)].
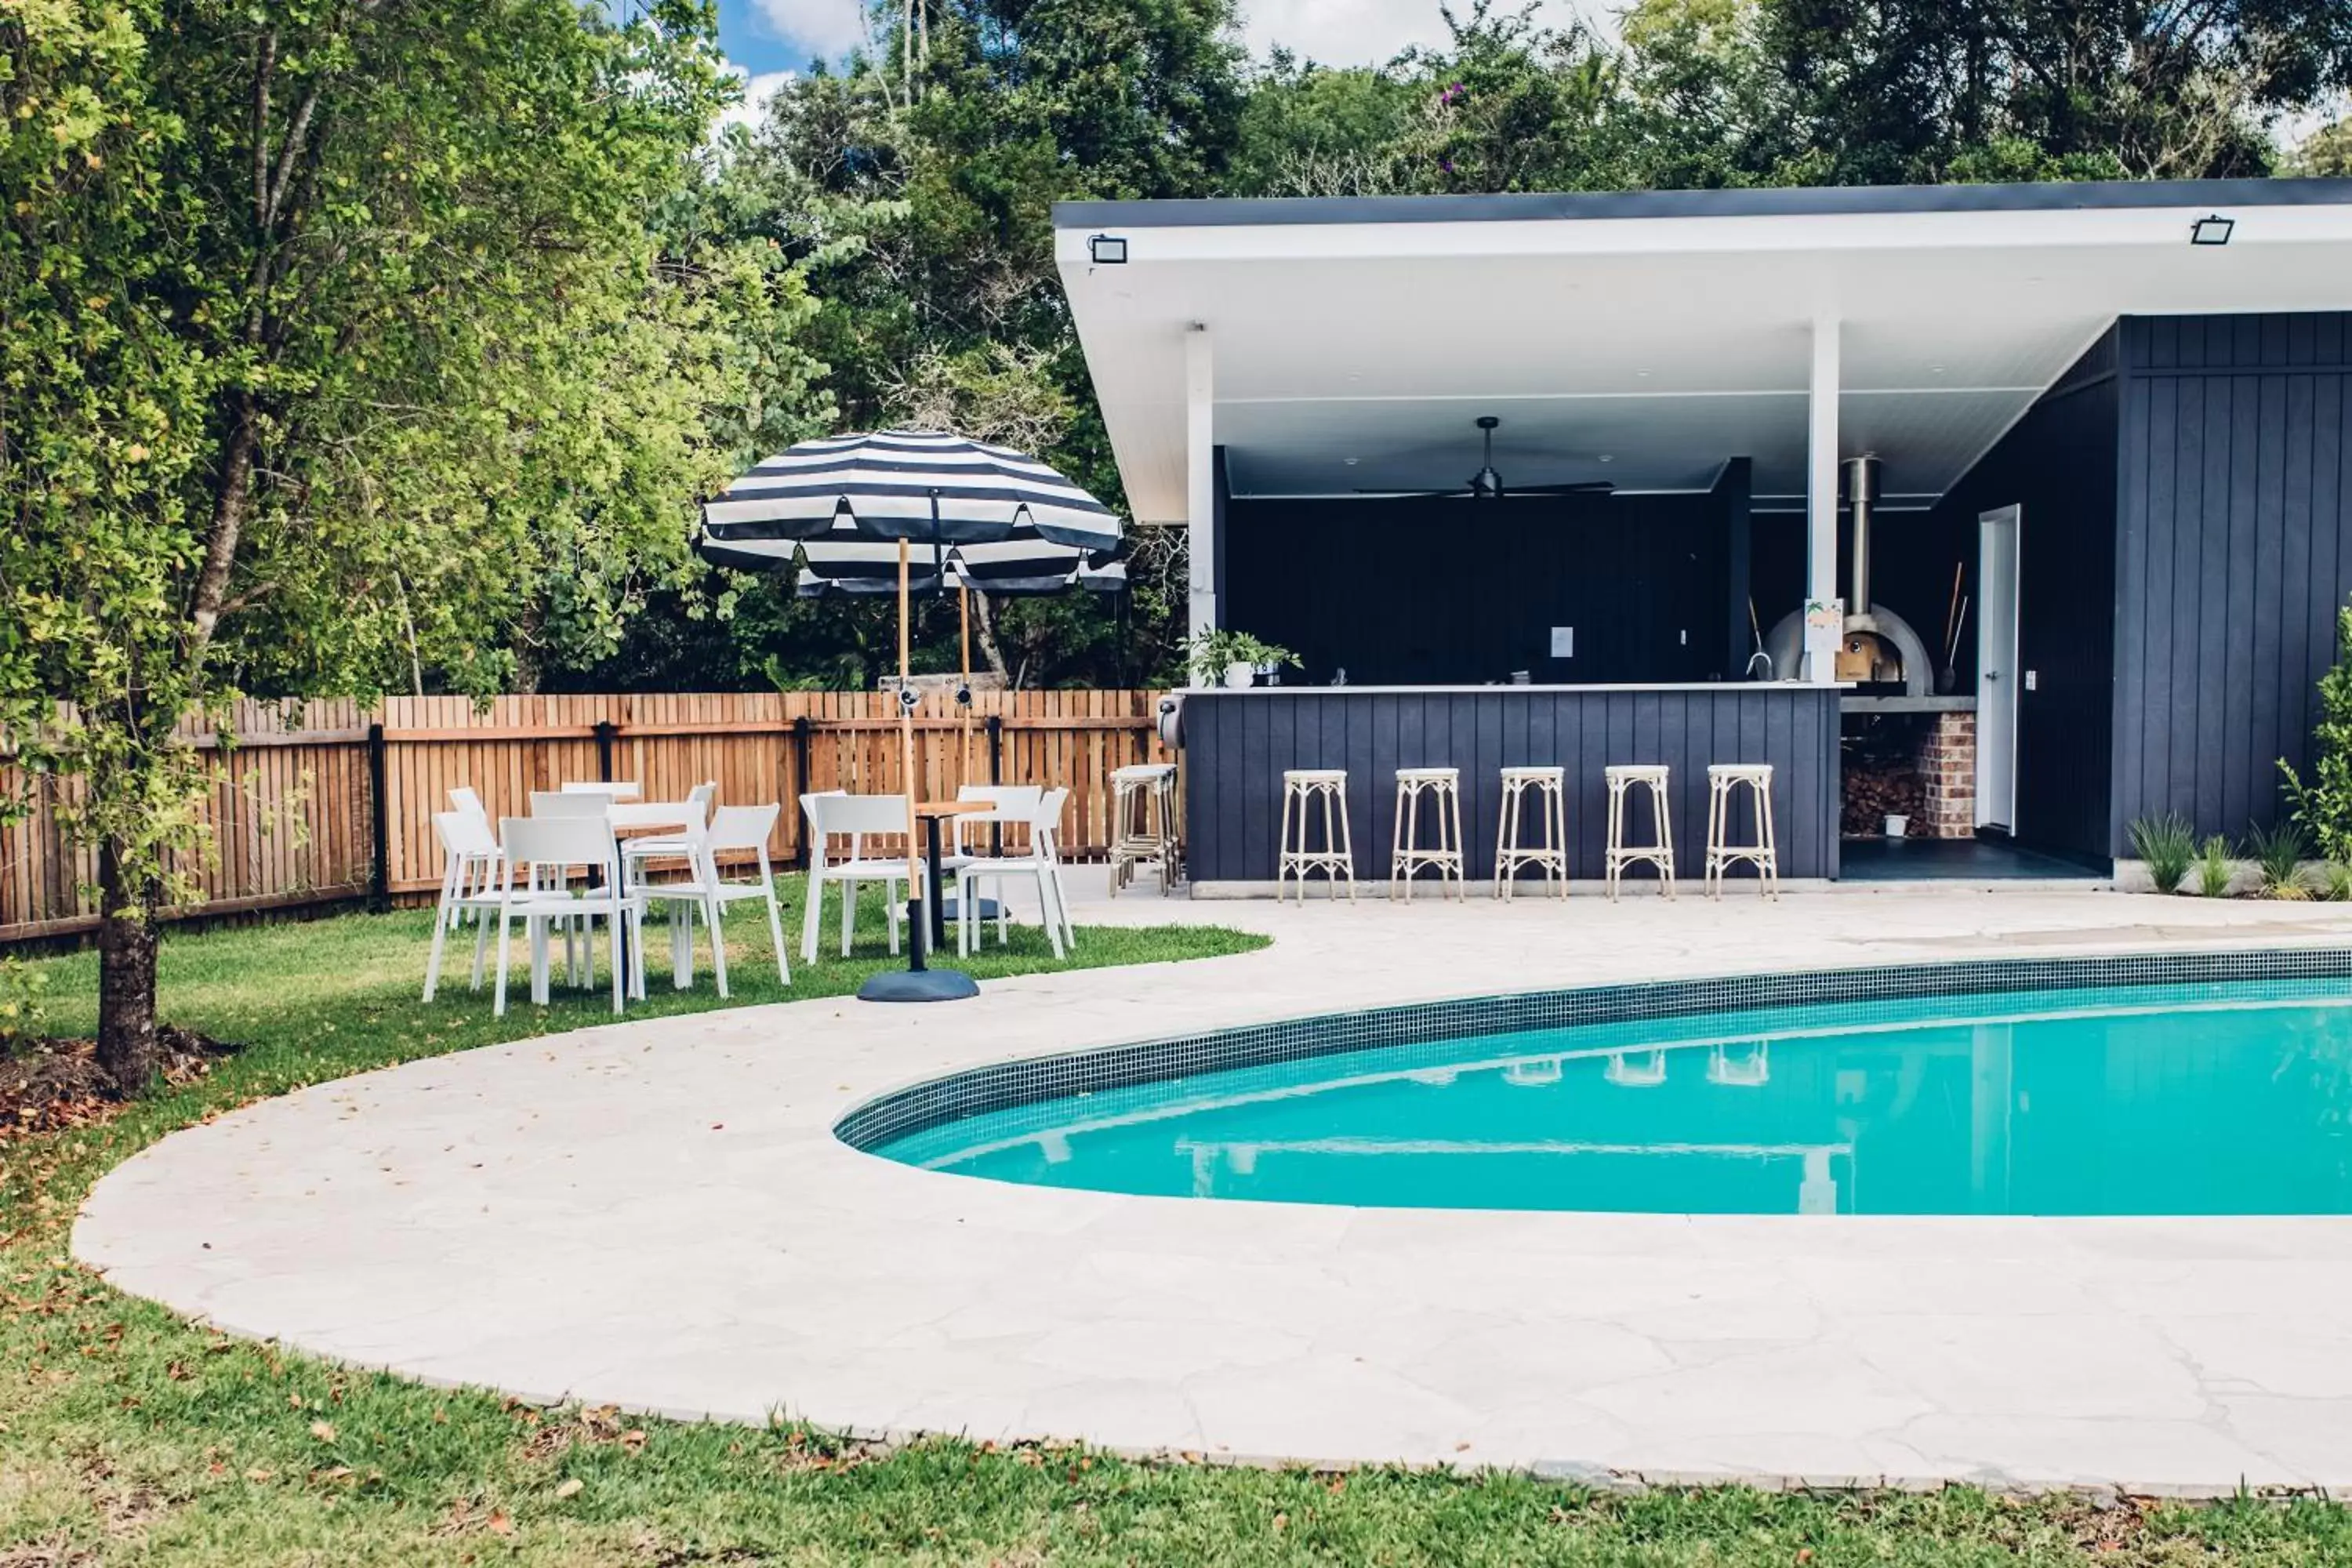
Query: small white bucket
[(1897, 825)]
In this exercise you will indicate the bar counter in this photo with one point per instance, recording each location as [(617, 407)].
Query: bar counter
[(1237, 744)]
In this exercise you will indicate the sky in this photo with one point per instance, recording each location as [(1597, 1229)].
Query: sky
[(771, 38)]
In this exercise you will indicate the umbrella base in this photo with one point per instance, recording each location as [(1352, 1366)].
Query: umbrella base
[(918, 986)]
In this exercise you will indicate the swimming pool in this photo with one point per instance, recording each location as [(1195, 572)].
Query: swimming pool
[(2183, 1098)]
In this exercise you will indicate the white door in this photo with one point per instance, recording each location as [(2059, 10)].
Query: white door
[(1997, 682)]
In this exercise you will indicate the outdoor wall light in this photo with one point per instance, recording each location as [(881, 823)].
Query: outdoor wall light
[(1107, 249), (2213, 230)]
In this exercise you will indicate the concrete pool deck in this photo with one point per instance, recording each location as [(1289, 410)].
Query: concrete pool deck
[(656, 1214)]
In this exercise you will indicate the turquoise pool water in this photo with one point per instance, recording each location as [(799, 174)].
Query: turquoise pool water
[(2163, 1099)]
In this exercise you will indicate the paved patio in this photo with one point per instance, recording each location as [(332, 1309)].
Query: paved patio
[(656, 1214)]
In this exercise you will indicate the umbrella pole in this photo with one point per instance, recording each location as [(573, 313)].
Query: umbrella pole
[(963, 612), (917, 981), (922, 924)]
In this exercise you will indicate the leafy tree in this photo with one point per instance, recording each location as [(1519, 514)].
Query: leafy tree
[(1869, 92), (2325, 154), (2323, 804), (338, 333)]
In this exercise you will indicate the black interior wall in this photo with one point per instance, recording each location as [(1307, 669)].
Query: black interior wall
[(1446, 591), (2057, 466), (2235, 552)]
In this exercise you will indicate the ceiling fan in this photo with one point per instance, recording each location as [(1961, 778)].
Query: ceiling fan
[(1487, 485)]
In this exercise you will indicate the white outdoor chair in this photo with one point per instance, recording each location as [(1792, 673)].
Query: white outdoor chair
[(556, 844), (1041, 864), (1008, 804), (481, 874), (733, 829), (572, 802), (471, 868), (670, 846), (835, 815)]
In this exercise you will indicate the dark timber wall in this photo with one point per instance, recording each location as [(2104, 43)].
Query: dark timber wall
[(1405, 592), (1236, 745), (2235, 551), (2057, 465)]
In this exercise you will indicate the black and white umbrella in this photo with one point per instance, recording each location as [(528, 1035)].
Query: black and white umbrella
[(849, 508), (915, 485)]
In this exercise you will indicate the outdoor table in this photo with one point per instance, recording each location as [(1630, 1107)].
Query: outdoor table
[(931, 813)]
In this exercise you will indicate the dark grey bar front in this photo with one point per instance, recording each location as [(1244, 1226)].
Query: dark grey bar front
[(1237, 744)]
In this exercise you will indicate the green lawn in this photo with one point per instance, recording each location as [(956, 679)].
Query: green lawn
[(128, 1437)]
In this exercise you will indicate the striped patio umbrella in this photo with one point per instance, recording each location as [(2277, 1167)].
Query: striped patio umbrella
[(849, 508), (916, 485)]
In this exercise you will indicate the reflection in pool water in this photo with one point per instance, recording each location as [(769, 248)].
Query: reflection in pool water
[(2167, 1100)]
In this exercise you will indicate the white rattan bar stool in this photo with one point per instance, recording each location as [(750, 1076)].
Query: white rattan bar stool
[(1143, 818), (1723, 779), (1623, 778), (1303, 790), (1408, 857), (1511, 855)]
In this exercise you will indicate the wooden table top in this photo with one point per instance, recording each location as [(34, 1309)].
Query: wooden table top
[(952, 808)]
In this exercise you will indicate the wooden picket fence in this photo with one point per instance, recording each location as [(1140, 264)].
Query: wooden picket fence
[(328, 802)]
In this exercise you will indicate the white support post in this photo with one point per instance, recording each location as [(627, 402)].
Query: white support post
[(1821, 484), (1200, 479)]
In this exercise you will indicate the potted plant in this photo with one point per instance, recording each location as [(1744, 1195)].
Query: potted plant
[(1234, 657)]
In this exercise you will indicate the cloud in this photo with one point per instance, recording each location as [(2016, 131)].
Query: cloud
[(757, 87), (1366, 32), (825, 27)]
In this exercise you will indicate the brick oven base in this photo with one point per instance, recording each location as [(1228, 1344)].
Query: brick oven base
[(1921, 766)]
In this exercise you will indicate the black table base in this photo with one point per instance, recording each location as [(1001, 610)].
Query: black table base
[(928, 930)]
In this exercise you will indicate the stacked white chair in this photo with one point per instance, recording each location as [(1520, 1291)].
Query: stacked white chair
[(833, 813), (1042, 864)]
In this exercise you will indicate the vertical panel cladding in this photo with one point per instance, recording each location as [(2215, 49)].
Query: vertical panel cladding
[(2058, 466), (1238, 744), (2233, 444)]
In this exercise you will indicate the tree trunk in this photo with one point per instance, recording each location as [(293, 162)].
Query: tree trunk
[(126, 974), (983, 621)]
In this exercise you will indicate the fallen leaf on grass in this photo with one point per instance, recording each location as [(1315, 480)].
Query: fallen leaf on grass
[(323, 1430), (500, 1523), (571, 1488)]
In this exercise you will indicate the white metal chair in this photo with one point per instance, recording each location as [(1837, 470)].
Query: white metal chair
[(832, 813), (1042, 864), (471, 867), (733, 829), (557, 844)]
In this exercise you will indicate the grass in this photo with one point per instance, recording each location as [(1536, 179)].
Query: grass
[(127, 1436)]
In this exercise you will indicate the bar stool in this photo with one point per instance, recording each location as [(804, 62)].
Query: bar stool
[(1552, 809), (1302, 788), (1143, 814), (1408, 857), (1722, 780), (1623, 777)]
